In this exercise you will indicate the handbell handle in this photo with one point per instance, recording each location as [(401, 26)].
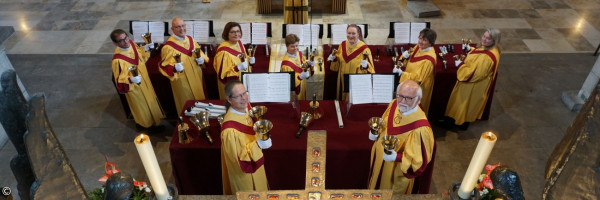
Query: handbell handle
[(208, 138), (300, 130)]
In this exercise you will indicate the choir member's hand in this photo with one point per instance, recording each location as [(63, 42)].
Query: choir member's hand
[(264, 144), (149, 46), (457, 63), (397, 70), (364, 64), (179, 67), (466, 47), (372, 136), (242, 66), (405, 54), (252, 60), (304, 75), (311, 63), (136, 79), (391, 157), (200, 60), (331, 58)]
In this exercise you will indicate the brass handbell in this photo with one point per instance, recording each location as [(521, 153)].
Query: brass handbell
[(147, 37), (221, 119), (182, 130), (133, 69), (333, 52), (201, 121), (390, 142), (262, 127), (258, 112), (197, 51), (305, 119), (376, 124), (320, 63), (314, 108)]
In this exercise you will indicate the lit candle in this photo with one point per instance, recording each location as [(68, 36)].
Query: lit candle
[(144, 147), (482, 152)]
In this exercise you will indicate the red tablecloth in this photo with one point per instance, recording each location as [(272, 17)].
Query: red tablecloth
[(197, 166)]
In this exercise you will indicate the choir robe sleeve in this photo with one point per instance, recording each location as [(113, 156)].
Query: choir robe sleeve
[(417, 152), (475, 70), (167, 64), (121, 76), (246, 152)]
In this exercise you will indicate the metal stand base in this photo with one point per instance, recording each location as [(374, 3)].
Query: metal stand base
[(453, 193), (172, 191)]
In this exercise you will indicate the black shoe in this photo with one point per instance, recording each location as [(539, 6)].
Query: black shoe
[(156, 129), (464, 126)]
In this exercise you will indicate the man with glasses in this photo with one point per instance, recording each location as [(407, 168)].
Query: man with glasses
[(186, 77), (138, 89), (241, 149), (405, 120)]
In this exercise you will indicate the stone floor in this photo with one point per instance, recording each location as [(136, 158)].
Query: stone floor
[(61, 48)]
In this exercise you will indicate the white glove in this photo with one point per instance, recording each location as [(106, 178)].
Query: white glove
[(405, 54), (264, 144), (311, 63), (372, 136), (467, 47), (200, 60), (179, 67), (457, 63), (331, 58), (364, 64), (304, 75), (149, 46), (391, 157), (242, 66), (136, 79), (252, 60), (397, 70)]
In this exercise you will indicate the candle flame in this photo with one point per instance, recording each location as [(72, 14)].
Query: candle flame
[(490, 136)]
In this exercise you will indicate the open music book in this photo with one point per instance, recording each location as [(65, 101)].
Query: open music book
[(308, 33), (371, 88), (408, 32), (157, 28), (338, 32), (199, 30), (267, 87)]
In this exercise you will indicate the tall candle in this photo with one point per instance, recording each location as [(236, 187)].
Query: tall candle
[(482, 152), (144, 147)]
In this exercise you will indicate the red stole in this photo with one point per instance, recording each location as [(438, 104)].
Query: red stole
[(181, 49), (238, 126), (136, 57), (391, 130), (232, 52), (292, 65), (424, 57), (355, 53)]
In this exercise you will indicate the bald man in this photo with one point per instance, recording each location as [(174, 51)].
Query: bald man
[(186, 77), (404, 119)]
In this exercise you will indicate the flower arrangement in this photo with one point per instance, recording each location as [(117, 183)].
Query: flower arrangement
[(484, 184), (141, 191)]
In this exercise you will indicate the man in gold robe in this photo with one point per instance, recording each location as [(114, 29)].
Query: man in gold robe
[(475, 77), (242, 159), (138, 90), (187, 81), (420, 65), (405, 120)]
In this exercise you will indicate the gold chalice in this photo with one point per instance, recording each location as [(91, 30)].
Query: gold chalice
[(258, 112), (262, 127), (390, 142), (305, 119)]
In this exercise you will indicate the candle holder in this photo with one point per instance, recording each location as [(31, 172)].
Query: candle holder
[(173, 193), (453, 193)]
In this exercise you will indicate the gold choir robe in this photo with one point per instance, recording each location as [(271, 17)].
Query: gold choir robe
[(293, 64), (141, 98), (189, 84), (348, 61), (474, 78), (420, 68), (242, 160), (414, 152), (225, 64)]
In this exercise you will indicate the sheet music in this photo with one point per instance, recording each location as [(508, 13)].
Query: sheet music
[(415, 28), (362, 29), (361, 89), (255, 84), (138, 28), (157, 28), (383, 88), (401, 33), (296, 29), (308, 37), (259, 33), (338, 33), (200, 33), (246, 33), (279, 87)]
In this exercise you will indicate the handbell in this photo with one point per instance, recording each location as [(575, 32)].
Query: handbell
[(376, 123), (242, 57), (390, 142), (133, 70), (320, 62), (221, 119), (257, 112), (182, 130), (177, 57), (262, 127), (201, 121), (305, 119), (333, 52), (147, 37)]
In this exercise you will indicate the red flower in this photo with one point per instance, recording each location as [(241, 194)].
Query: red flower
[(487, 182)]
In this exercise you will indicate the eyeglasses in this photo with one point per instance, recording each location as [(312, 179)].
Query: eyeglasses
[(123, 40), (245, 94), (234, 32), (180, 26), (406, 99)]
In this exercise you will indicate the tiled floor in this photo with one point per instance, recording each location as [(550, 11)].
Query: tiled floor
[(61, 48)]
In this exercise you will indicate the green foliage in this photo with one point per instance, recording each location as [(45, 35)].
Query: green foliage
[(98, 194)]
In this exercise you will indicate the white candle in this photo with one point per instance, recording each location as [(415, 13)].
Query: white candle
[(144, 147), (482, 152)]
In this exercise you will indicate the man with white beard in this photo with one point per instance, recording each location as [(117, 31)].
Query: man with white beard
[(406, 120)]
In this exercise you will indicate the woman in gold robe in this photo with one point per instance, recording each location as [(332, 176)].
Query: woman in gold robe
[(227, 61), (353, 57), (293, 61)]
